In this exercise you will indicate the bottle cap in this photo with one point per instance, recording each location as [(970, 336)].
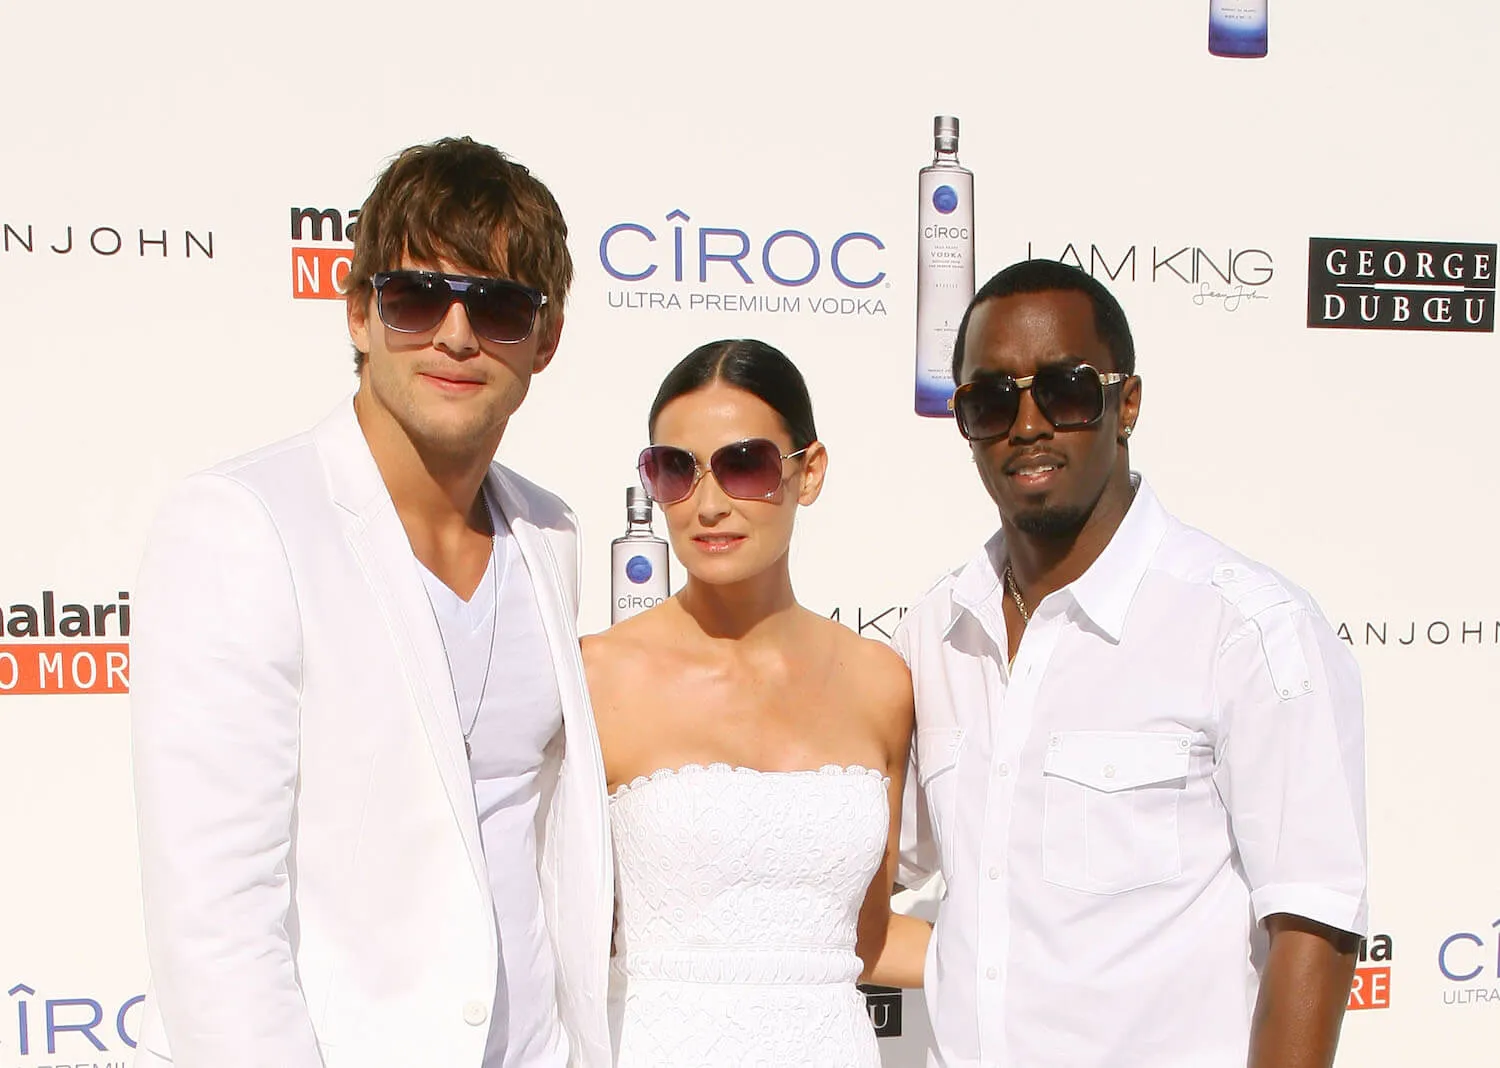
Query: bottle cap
[(637, 505), (945, 133)]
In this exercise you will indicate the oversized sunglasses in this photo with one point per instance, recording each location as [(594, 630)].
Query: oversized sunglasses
[(747, 470), (1071, 397), (413, 302)]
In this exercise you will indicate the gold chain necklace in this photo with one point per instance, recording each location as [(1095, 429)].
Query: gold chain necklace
[(1015, 594)]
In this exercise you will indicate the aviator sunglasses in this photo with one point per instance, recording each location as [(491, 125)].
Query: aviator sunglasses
[(1071, 397), (747, 470), (413, 302)]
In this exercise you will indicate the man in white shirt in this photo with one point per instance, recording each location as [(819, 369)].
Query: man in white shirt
[(371, 801), (1139, 754)]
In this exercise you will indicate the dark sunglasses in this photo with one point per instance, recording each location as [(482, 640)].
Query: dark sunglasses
[(413, 302), (747, 470), (1071, 397)]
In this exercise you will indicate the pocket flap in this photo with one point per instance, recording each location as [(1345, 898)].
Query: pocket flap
[(937, 751), (1111, 761)]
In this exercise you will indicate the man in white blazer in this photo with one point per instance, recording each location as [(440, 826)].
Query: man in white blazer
[(371, 803)]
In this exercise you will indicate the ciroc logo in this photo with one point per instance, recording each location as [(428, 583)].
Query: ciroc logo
[(945, 199), (76, 1027), (1470, 960), (786, 257), (638, 569)]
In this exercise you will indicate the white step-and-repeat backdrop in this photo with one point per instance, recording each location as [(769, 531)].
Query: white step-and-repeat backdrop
[(1304, 243)]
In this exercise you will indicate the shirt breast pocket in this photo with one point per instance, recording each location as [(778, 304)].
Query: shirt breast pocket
[(1109, 821)]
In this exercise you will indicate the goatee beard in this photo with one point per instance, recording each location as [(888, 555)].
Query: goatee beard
[(1051, 522)]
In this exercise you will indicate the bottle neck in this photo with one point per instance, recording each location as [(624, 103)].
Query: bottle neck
[(638, 528), (945, 158)]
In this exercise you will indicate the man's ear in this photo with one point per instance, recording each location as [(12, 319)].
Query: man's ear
[(357, 311), (547, 347), (1130, 406)]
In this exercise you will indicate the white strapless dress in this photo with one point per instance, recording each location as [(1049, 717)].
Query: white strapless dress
[(739, 893)]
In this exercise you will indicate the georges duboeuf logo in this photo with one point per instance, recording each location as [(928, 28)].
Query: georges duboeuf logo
[(1371, 988), (75, 1027), (65, 649), (1229, 278), (682, 266), (883, 1003), (322, 252), (1365, 284), (130, 242)]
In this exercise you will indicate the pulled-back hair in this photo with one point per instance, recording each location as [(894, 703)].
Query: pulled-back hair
[(466, 203), (753, 366), (1044, 276)]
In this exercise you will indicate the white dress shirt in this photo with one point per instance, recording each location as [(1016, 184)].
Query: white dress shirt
[(509, 732), (1176, 753)]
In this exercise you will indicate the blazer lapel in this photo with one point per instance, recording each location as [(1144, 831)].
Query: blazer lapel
[(584, 852), (380, 545)]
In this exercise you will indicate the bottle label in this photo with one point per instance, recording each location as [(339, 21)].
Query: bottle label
[(1237, 27), (945, 278), (638, 578)]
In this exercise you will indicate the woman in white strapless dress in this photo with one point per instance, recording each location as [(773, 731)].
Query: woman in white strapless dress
[(755, 753)]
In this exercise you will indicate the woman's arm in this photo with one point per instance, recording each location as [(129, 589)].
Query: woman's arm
[(892, 947)]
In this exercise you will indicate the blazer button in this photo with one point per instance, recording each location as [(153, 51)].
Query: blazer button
[(475, 1013)]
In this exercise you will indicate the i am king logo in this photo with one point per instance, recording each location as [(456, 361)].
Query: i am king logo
[(1358, 283)]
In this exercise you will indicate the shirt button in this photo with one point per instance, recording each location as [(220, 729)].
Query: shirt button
[(1003, 770), (1109, 771), (994, 873), (475, 1013), (991, 974)]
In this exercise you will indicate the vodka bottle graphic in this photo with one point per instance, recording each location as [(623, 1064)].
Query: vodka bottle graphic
[(945, 265), (638, 562), (1237, 28)]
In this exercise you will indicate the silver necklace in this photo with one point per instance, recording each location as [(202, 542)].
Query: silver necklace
[(489, 660), (1015, 594)]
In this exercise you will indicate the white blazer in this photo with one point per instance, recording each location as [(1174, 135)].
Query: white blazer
[(315, 890)]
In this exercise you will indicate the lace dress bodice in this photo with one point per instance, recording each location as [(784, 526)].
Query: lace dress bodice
[(739, 894)]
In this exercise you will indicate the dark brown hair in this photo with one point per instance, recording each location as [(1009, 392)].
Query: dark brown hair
[(752, 366), (467, 203)]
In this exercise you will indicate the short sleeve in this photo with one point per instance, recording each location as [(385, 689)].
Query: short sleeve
[(1290, 765)]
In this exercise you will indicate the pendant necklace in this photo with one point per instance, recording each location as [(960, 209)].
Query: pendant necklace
[(494, 570)]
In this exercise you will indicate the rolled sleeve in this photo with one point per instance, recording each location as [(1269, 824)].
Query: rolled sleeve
[(1290, 767)]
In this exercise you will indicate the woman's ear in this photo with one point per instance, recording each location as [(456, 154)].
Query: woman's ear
[(814, 468)]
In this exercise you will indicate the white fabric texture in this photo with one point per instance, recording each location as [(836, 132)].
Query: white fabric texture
[(497, 652), (739, 894), (314, 882), (1177, 752)]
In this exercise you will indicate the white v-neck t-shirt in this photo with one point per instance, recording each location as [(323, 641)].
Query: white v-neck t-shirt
[(520, 715)]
